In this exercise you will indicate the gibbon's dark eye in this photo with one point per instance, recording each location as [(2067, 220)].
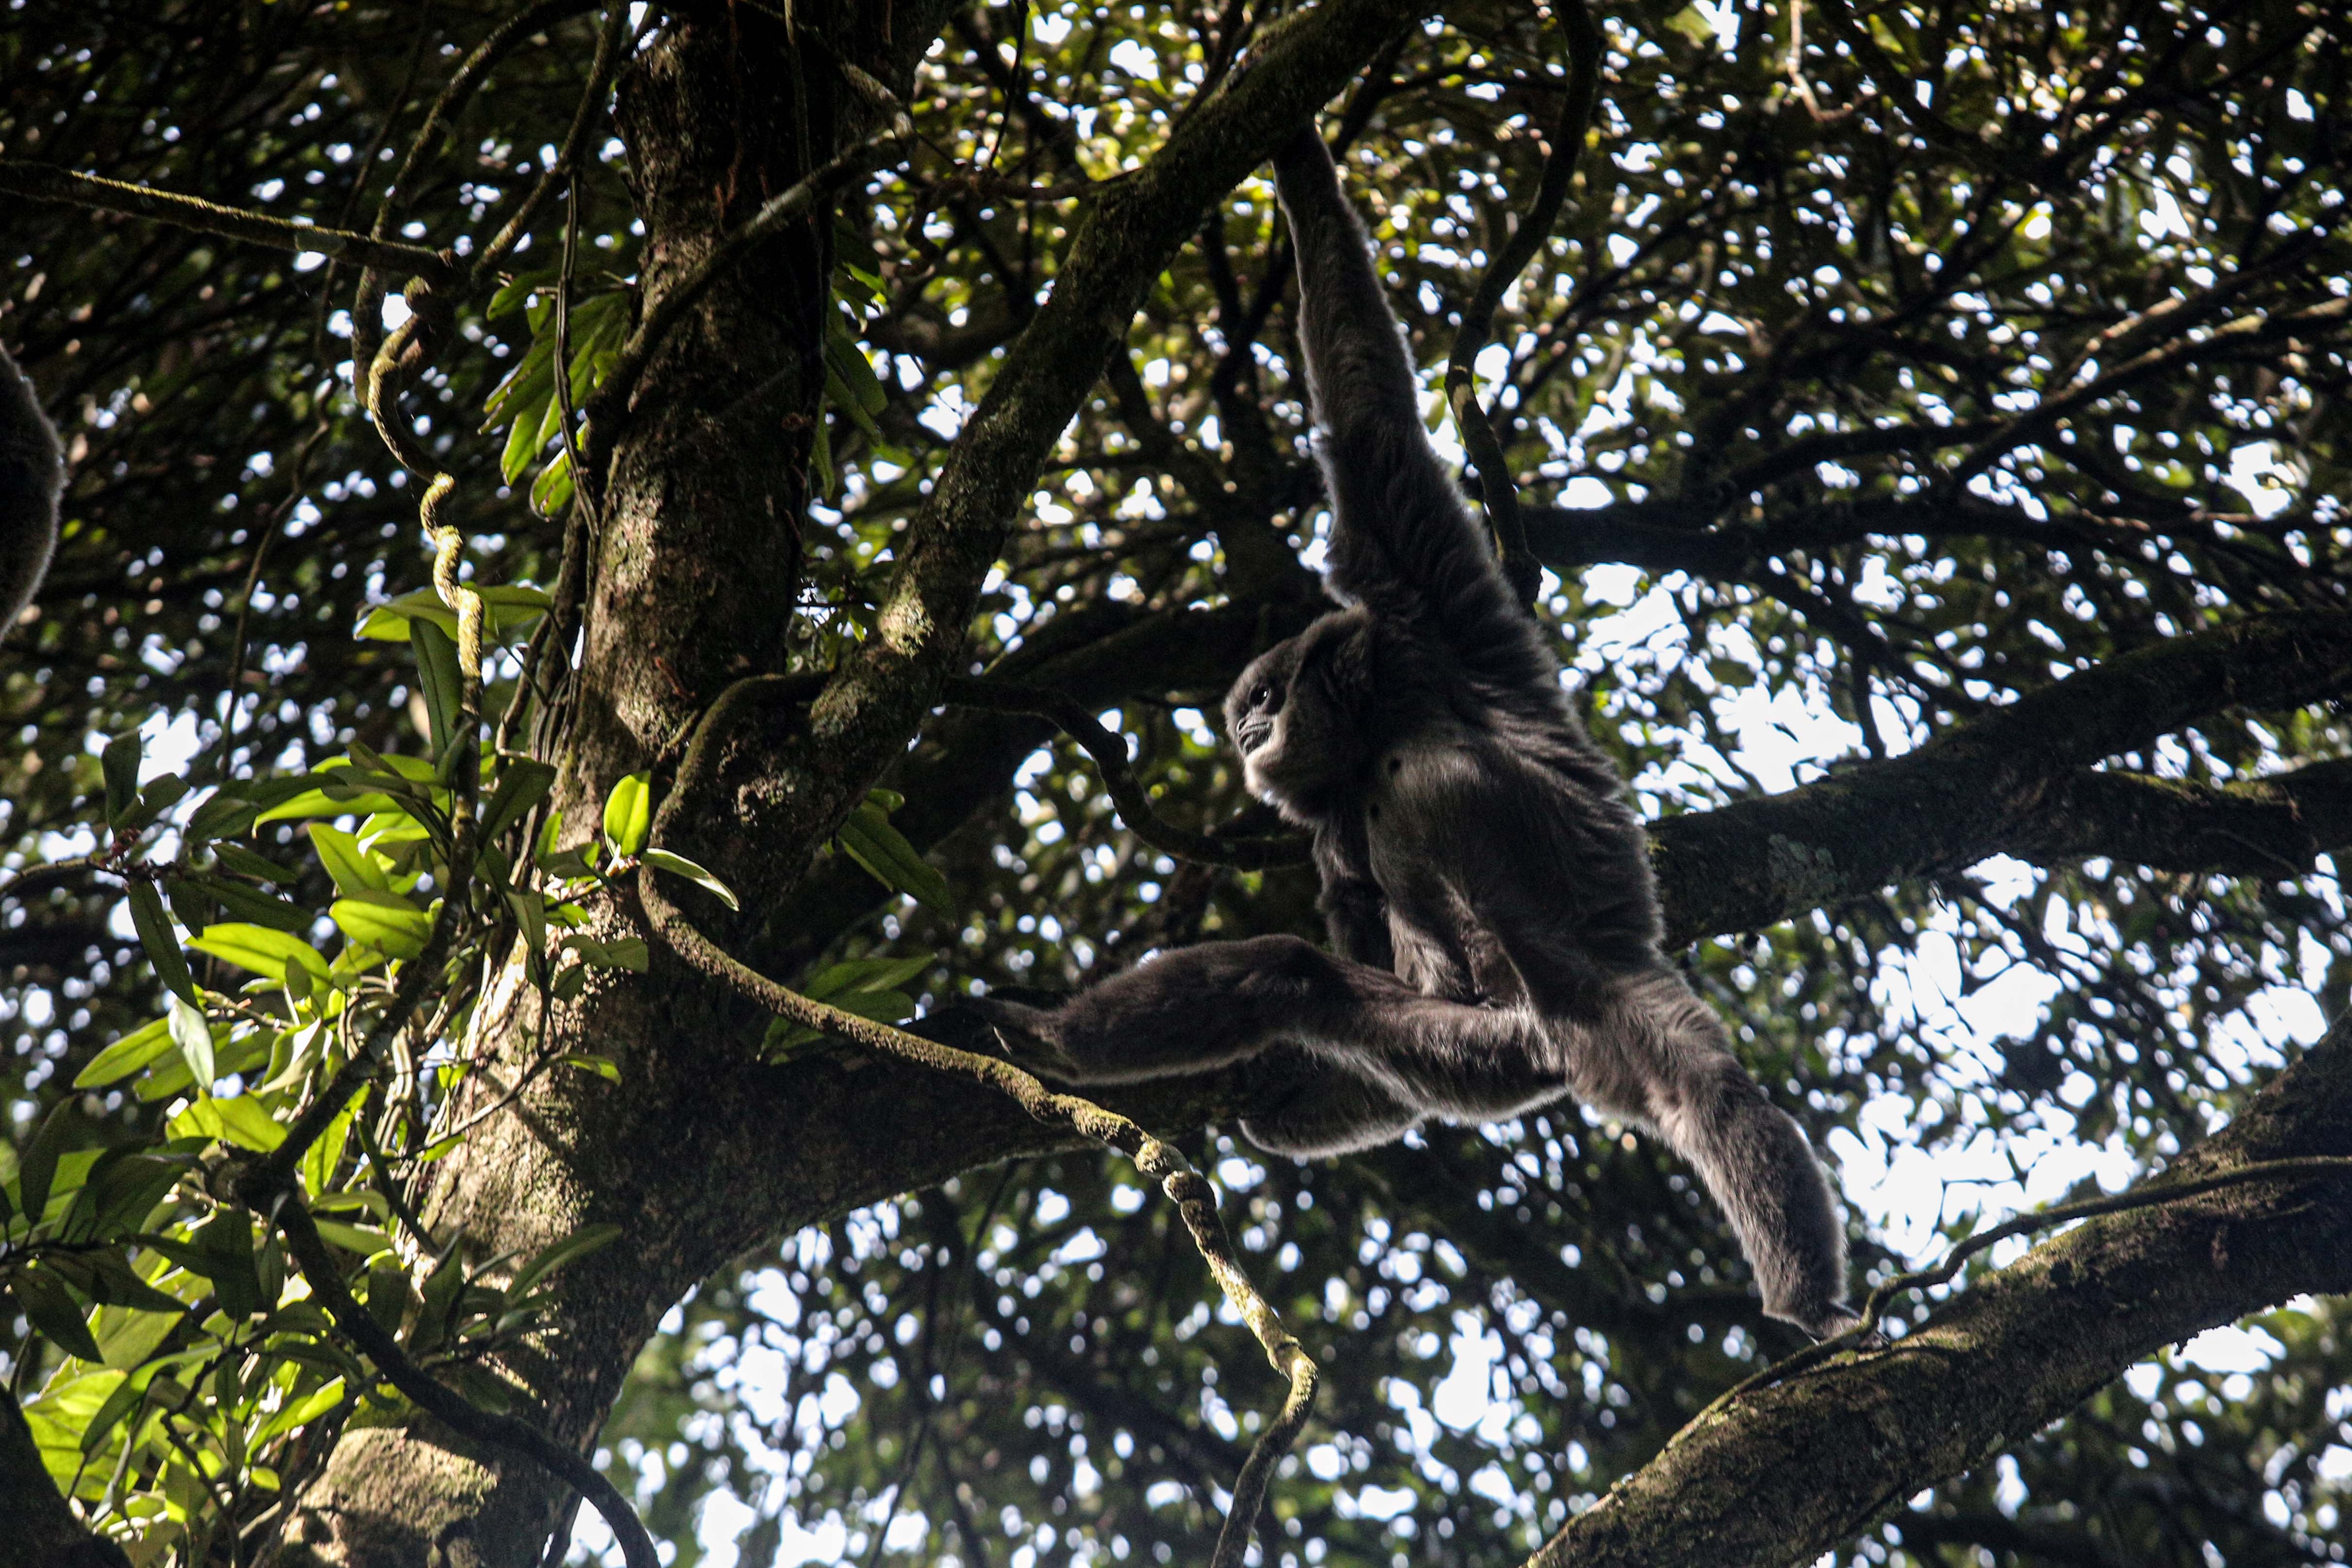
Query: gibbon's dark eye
[(1261, 695)]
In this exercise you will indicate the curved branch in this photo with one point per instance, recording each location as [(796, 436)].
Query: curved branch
[(1109, 753), (1194, 1196), (1841, 1446)]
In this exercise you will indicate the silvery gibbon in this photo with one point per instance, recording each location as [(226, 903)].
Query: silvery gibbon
[(1485, 882), (30, 476)]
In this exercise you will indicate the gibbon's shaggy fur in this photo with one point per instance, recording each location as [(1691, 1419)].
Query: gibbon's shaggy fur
[(1485, 881), (32, 471)]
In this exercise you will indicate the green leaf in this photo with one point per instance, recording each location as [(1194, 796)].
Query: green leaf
[(223, 813), (1692, 24), (523, 783), (194, 1036), (441, 682), (512, 294), (846, 356), (107, 1278), (223, 1253), (119, 765), (343, 802), (236, 857), (604, 1068), (122, 1192), (353, 869), (628, 812), (126, 1056), (39, 1170), (383, 920), (851, 976), (322, 1159), (871, 841), (261, 950), (191, 901), (626, 953), (171, 1077), (249, 904), (159, 795), (845, 397), (155, 934), (241, 1121), (525, 388), (570, 1250), (49, 1307), (820, 451), (300, 1412), (552, 491), (360, 1239), (678, 865), (128, 1391), (864, 988), (507, 607)]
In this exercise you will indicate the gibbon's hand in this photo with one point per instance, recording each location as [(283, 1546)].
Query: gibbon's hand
[(1027, 1036)]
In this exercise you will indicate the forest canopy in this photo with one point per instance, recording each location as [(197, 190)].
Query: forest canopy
[(616, 555)]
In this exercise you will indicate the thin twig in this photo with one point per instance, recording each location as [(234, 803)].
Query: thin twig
[(446, 1405), (780, 209), (567, 157), (1477, 427), (453, 98), (1109, 753), (263, 534), (44, 182), (582, 484), (1194, 1196)]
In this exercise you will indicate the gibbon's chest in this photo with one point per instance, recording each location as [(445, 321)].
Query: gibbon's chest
[(1422, 810)]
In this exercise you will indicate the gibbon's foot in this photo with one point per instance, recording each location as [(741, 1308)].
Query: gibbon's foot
[(1837, 1320), (1025, 1035)]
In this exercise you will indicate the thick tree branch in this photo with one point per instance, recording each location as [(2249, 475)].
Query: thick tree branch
[(2264, 828), (2007, 781), (881, 694), (1670, 535), (1841, 1446), (37, 1529)]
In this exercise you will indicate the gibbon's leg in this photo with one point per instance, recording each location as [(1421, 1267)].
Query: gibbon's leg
[(1203, 1007), (1306, 1108), (1661, 1056), (1192, 1010)]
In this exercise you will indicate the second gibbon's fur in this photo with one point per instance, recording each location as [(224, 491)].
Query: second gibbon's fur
[(31, 473), (1483, 879)]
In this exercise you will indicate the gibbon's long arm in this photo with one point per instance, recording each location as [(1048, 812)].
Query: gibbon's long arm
[(31, 473), (1402, 539)]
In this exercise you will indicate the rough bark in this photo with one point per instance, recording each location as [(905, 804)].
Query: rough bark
[(37, 1530), (1788, 1472), (702, 1152), (2011, 780)]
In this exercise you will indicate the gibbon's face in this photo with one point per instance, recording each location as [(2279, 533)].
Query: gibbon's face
[(1289, 716)]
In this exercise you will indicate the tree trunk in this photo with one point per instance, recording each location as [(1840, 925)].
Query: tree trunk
[(700, 1152), (699, 549)]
